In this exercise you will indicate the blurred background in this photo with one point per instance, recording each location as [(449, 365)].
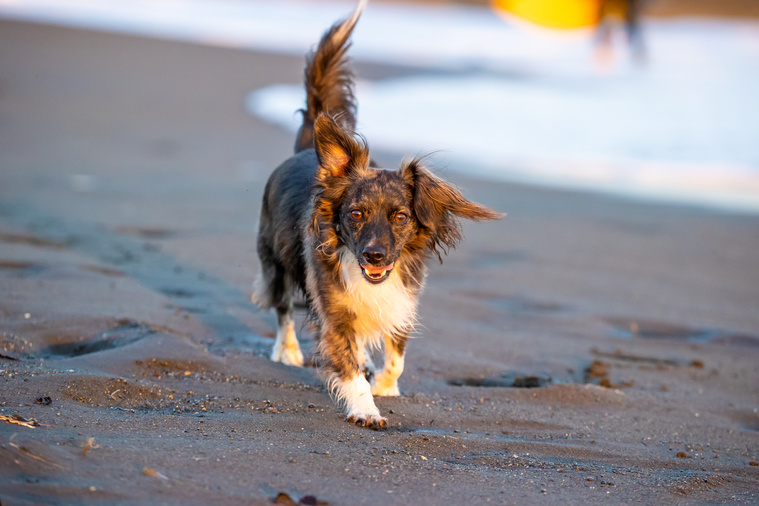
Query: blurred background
[(662, 106)]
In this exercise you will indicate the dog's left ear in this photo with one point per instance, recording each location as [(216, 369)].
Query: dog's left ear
[(338, 151), (437, 205)]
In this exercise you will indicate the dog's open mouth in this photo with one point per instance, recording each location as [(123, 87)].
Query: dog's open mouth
[(376, 275)]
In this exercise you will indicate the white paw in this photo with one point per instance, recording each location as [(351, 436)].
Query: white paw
[(368, 420), (288, 355)]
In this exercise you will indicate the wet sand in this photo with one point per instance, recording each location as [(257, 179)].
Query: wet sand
[(584, 349)]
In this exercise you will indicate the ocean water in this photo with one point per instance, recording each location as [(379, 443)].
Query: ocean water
[(499, 99)]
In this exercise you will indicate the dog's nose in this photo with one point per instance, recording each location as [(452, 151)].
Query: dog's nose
[(374, 254)]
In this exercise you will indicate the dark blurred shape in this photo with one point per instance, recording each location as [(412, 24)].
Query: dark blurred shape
[(612, 16)]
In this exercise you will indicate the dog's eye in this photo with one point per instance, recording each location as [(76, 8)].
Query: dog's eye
[(356, 214), (401, 218)]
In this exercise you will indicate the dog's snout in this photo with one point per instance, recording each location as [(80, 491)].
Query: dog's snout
[(374, 254)]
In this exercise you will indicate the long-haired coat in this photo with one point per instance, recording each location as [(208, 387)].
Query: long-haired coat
[(354, 238)]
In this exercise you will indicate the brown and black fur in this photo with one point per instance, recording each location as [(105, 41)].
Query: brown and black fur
[(355, 239)]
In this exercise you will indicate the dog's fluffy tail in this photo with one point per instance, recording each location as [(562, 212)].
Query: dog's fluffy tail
[(329, 81)]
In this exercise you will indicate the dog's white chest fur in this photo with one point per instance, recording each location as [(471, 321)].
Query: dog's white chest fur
[(380, 309)]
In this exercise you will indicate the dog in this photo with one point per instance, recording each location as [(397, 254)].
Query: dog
[(353, 238)]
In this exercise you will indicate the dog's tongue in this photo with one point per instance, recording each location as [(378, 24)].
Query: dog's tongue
[(376, 271)]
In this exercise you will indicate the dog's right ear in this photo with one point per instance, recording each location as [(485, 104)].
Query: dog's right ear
[(338, 151)]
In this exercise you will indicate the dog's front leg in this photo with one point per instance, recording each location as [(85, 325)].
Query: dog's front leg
[(348, 382), (385, 382), (360, 403)]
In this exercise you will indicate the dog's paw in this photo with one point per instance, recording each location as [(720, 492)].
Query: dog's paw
[(288, 356), (384, 387), (375, 422), (385, 391)]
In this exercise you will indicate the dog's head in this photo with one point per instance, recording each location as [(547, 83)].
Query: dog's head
[(381, 215)]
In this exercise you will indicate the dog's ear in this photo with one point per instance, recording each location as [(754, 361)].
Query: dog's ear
[(338, 151), (437, 205)]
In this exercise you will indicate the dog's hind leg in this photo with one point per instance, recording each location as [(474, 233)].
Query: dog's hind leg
[(271, 290), (286, 348), (385, 382), (366, 363)]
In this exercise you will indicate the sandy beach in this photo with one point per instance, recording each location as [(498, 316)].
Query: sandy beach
[(585, 349)]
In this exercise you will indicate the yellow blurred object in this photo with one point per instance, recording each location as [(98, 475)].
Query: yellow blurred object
[(559, 14)]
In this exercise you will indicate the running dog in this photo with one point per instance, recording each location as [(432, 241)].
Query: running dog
[(352, 237)]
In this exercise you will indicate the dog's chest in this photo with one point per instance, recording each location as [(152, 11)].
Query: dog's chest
[(380, 309)]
